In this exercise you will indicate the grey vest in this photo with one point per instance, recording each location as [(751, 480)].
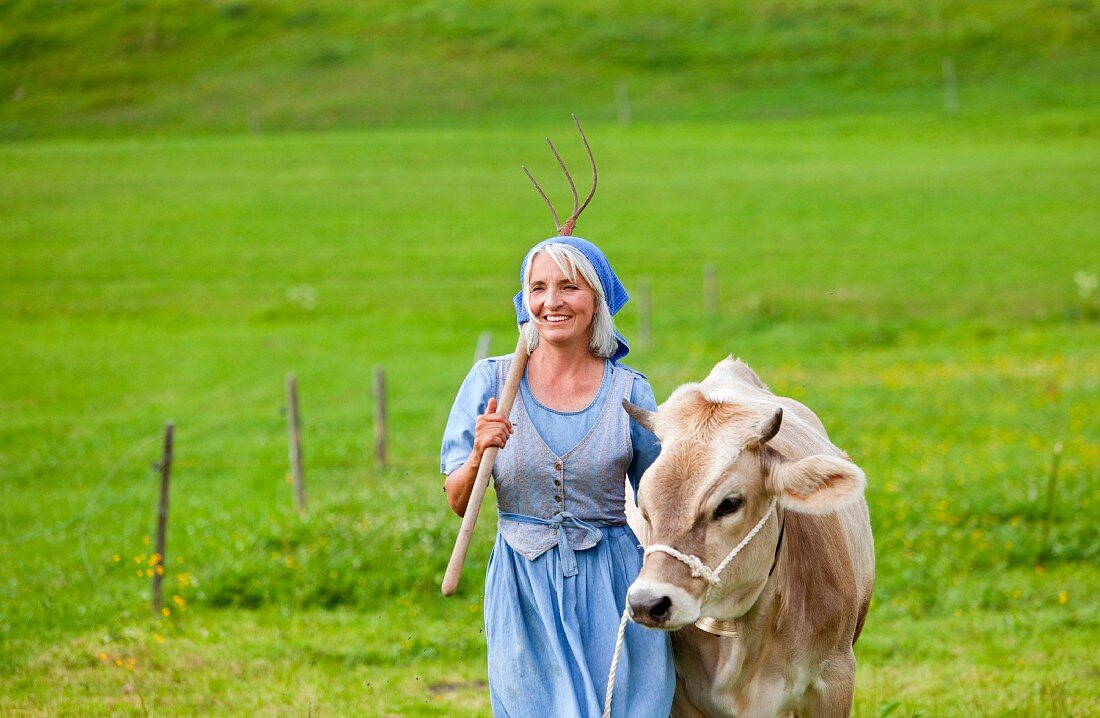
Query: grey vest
[(547, 500)]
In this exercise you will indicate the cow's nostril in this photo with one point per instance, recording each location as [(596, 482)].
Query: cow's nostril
[(651, 611), (659, 609)]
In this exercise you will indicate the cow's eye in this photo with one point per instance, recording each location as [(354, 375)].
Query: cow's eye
[(729, 505)]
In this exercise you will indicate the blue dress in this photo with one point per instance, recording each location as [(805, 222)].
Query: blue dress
[(564, 557)]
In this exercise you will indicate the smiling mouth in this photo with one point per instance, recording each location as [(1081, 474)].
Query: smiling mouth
[(556, 318)]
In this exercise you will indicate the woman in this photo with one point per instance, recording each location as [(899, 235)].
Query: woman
[(564, 556)]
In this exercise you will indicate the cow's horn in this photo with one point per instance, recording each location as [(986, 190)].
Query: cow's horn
[(770, 428), (640, 415)]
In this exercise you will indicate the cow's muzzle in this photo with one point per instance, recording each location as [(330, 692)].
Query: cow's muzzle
[(661, 605)]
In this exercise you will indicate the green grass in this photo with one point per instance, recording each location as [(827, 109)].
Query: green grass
[(91, 68), (911, 279), (197, 198)]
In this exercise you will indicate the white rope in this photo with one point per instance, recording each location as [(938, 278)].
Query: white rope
[(615, 663), (698, 568)]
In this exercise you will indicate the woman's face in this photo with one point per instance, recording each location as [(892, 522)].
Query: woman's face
[(564, 308)]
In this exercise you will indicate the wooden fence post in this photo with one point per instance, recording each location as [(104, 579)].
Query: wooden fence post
[(294, 439), (622, 102), (165, 467), (482, 350), (1048, 515), (710, 289), (950, 89), (380, 416)]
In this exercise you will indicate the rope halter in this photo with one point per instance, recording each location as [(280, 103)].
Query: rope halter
[(713, 577)]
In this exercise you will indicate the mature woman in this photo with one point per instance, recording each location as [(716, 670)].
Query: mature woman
[(564, 556)]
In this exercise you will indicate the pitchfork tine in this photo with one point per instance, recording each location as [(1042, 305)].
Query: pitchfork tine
[(592, 161), (571, 222), (568, 177), (545, 199)]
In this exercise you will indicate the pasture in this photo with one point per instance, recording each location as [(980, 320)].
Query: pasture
[(912, 280)]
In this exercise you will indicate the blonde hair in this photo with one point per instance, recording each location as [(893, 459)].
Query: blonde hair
[(571, 261)]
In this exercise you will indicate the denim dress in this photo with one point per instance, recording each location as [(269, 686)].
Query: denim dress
[(564, 557)]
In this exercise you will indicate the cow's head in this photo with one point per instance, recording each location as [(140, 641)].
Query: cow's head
[(714, 480)]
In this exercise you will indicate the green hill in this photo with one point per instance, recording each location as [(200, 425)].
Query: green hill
[(86, 68)]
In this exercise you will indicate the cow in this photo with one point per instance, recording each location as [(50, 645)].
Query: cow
[(759, 552)]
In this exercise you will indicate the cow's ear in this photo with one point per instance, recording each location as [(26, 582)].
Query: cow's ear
[(817, 484)]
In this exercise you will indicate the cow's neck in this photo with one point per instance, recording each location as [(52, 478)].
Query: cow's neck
[(729, 614), (743, 614), (721, 661)]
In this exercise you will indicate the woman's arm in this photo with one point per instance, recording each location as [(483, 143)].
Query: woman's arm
[(491, 429), (458, 453)]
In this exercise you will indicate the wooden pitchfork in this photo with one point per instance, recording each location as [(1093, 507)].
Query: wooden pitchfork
[(511, 382)]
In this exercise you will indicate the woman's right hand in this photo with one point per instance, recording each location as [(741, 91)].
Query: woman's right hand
[(491, 429)]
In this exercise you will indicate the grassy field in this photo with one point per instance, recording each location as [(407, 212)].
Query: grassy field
[(198, 198), (913, 282), (142, 66)]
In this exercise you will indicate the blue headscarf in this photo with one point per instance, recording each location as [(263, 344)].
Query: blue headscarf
[(613, 290)]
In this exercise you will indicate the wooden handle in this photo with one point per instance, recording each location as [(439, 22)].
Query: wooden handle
[(484, 473)]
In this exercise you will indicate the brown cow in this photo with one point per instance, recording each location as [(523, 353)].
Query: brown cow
[(772, 632)]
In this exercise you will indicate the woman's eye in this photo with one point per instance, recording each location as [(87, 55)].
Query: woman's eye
[(729, 505)]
